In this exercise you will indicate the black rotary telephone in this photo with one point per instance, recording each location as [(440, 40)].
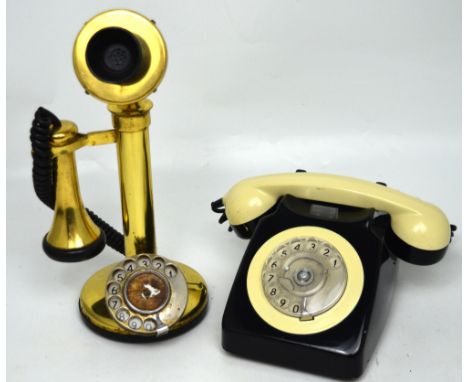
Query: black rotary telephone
[(314, 287)]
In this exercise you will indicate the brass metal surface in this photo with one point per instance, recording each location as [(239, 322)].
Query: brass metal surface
[(146, 32), (68, 142), (131, 135), (131, 124), (131, 119), (93, 304), (72, 228)]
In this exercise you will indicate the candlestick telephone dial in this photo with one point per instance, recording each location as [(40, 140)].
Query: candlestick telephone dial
[(313, 287)]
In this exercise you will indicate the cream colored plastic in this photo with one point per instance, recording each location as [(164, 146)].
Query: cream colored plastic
[(419, 224)]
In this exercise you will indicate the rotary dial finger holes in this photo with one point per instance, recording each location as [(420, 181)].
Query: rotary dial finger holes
[(146, 294)]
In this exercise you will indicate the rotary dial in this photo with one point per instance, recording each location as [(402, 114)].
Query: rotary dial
[(146, 294), (304, 277)]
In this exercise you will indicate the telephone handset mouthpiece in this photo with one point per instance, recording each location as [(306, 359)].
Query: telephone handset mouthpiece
[(420, 232), (120, 58)]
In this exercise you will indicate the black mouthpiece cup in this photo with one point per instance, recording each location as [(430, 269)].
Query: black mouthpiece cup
[(114, 55)]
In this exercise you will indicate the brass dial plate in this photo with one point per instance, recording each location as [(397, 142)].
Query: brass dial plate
[(94, 310), (146, 294)]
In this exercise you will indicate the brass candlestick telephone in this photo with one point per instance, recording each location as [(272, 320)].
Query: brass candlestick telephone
[(120, 58), (313, 289)]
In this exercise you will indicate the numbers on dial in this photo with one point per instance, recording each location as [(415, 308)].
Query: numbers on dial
[(304, 277), (335, 262), (119, 275), (130, 266), (171, 271), (113, 288), (144, 261), (158, 263), (135, 322), (150, 325), (139, 294), (282, 302), (311, 245), (122, 314), (114, 302)]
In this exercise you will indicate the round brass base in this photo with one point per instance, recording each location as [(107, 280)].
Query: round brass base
[(94, 310)]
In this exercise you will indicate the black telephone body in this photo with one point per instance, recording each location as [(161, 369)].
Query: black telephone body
[(343, 350)]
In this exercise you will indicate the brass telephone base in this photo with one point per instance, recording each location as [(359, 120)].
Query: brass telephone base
[(97, 317)]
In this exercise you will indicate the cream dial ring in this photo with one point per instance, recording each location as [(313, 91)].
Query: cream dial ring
[(305, 280)]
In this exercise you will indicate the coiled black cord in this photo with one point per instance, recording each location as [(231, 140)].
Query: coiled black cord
[(44, 172)]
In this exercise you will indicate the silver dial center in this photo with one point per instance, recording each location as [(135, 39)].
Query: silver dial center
[(304, 276)]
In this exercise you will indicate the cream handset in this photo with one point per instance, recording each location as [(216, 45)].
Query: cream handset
[(420, 226)]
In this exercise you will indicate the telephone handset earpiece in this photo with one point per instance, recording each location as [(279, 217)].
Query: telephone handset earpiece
[(420, 232)]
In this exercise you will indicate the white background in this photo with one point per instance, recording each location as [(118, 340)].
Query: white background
[(369, 89)]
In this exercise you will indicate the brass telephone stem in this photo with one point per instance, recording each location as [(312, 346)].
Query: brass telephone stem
[(131, 124)]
